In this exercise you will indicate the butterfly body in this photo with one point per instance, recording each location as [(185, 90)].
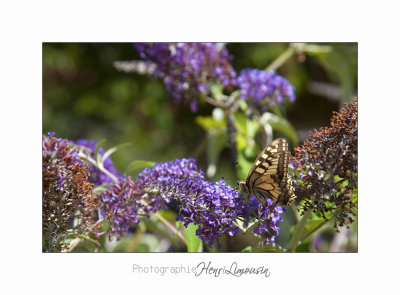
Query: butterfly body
[(268, 177)]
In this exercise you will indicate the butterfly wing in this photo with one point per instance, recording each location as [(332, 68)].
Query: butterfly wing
[(268, 177)]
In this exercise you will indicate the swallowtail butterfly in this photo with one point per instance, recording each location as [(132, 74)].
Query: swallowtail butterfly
[(268, 177)]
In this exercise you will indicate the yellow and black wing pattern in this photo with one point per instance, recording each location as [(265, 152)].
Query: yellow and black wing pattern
[(268, 177)]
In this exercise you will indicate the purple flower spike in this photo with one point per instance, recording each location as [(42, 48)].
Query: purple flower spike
[(213, 206), (189, 69), (180, 185), (123, 202), (261, 88)]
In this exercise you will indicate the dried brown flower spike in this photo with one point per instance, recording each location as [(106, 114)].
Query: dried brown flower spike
[(326, 168)]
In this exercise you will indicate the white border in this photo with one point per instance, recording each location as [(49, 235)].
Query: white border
[(26, 24)]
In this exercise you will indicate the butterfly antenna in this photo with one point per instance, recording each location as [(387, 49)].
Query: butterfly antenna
[(237, 170)]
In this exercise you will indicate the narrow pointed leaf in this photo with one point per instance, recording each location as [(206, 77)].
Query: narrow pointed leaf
[(194, 243), (114, 148), (138, 165)]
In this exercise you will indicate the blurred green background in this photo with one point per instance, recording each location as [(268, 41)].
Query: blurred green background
[(84, 96)]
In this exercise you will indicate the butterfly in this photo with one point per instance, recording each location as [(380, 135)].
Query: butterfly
[(268, 177)]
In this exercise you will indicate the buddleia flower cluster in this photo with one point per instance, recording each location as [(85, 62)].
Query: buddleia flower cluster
[(214, 207), (189, 69), (266, 219), (326, 165), (123, 202), (68, 201), (69, 204), (263, 88)]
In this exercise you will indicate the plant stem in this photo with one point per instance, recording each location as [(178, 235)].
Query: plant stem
[(134, 241), (280, 60), (215, 103), (232, 136), (99, 166), (200, 148), (294, 241), (172, 228), (313, 231)]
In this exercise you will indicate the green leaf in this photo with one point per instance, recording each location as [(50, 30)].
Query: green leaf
[(194, 243), (355, 196), (217, 141), (113, 149), (280, 124), (315, 49), (216, 91), (155, 225), (240, 120), (243, 105), (269, 248), (276, 109), (96, 151), (248, 249), (241, 142), (81, 243), (244, 166), (235, 95), (252, 128), (251, 152), (312, 225), (89, 239), (315, 216), (208, 123), (138, 165), (123, 244), (339, 65), (100, 188)]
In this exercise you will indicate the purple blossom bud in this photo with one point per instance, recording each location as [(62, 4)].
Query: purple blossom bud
[(261, 88), (189, 69)]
